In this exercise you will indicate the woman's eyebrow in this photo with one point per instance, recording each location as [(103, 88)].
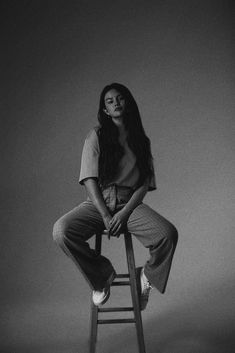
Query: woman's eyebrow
[(119, 95)]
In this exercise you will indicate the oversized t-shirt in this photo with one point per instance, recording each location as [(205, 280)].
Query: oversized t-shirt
[(128, 173)]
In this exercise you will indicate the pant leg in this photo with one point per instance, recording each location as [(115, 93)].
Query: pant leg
[(160, 236), (71, 233)]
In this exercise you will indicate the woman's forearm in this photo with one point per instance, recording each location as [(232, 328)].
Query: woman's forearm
[(136, 198), (96, 196)]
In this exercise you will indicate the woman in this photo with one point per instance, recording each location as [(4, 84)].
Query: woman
[(117, 171)]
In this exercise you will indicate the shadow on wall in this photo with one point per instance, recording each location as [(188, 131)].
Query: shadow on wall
[(195, 324), (206, 325)]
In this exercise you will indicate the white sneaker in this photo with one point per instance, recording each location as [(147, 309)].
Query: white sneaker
[(99, 298), (145, 288)]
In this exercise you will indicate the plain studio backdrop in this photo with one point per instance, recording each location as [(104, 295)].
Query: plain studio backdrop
[(177, 59)]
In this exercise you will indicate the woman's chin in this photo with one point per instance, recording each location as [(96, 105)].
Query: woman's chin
[(118, 115)]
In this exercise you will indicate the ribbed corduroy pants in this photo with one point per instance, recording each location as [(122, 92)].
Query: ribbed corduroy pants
[(156, 233)]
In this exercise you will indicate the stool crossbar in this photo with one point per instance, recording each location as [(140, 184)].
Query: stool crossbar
[(135, 308)]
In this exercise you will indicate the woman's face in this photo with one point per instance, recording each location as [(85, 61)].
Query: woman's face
[(114, 104)]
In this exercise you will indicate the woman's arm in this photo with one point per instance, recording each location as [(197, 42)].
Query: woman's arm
[(96, 197), (136, 198), (120, 218)]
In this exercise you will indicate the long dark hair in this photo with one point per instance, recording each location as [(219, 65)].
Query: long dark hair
[(110, 149)]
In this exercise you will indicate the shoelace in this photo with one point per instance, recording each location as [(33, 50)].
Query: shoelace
[(147, 287)]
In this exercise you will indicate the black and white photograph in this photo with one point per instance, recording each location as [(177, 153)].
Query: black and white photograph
[(118, 176)]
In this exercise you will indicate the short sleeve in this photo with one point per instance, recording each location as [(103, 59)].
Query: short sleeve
[(90, 157)]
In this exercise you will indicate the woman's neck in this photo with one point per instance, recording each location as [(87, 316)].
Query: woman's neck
[(122, 134), (121, 129)]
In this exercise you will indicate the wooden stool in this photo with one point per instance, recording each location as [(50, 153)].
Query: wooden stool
[(132, 282)]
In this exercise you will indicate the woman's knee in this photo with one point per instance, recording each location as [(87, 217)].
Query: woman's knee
[(59, 231)]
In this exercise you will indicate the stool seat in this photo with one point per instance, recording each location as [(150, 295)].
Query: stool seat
[(131, 281)]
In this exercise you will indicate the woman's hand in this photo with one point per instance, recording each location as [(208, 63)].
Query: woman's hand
[(118, 222), (107, 219)]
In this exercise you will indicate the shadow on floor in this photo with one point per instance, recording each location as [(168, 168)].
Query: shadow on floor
[(206, 325), (202, 323)]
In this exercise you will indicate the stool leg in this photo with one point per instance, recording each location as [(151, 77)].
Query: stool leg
[(94, 308), (134, 291), (94, 326)]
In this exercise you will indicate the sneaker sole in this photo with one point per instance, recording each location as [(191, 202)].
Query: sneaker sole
[(138, 274), (109, 282)]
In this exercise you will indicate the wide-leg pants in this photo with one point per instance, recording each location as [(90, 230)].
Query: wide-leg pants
[(72, 231)]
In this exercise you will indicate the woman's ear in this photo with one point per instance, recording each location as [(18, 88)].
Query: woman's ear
[(105, 111)]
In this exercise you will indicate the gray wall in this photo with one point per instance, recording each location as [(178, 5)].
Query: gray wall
[(177, 59)]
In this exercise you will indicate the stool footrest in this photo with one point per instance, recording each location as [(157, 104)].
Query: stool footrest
[(116, 321), (123, 275), (115, 309), (121, 283)]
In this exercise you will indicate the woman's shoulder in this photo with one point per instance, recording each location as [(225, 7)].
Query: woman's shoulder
[(93, 133), (92, 136)]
